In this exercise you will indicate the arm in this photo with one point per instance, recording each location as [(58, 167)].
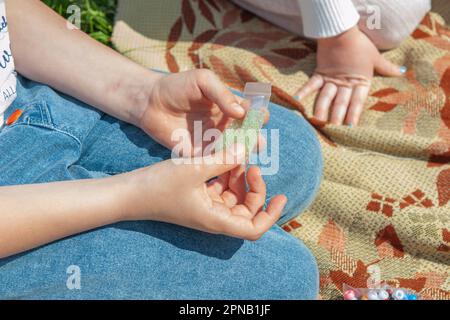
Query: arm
[(46, 51), (346, 57), (34, 215), (183, 194)]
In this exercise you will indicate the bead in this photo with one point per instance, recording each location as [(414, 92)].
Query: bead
[(372, 295), (245, 133), (383, 295), (399, 294), (14, 117), (350, 295), (412, 297)]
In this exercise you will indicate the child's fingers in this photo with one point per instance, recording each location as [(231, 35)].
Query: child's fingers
[(324, 101), (341, 104), (237, 178), (251, 229), (360, 94), (220, 184), (241, 101), (206, 168), (276, 206), (256, 196), (315, 83), (237, 187), (215, 91), (386, 68), (230, 187), (266, 117), (230, 199), (264, 220)]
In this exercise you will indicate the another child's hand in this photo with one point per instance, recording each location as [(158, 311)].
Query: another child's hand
[(345, 68), (183, 194)]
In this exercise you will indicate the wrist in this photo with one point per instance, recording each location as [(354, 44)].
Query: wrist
[(137, 195), (344, 38), (139, 93)]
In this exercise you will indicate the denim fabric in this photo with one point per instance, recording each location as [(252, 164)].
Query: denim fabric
[(60, 138)]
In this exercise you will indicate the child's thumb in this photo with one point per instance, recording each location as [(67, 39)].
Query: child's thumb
[(386, 68), (221, 162)]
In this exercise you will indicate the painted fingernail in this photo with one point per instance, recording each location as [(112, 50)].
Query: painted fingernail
[(403, 69), (238, 108), (350, 125)]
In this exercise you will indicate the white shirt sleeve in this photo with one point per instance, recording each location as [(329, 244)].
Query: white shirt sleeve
[(327, 18)]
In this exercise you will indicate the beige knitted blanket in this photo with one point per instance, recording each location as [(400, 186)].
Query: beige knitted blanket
[(383, 211)]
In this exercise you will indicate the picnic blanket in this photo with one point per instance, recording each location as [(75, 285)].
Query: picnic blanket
[(383, 211)]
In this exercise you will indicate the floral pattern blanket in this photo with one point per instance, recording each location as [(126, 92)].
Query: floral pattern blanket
[(383, 211)]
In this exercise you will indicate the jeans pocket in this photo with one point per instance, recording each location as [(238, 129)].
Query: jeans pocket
[(35, 113)]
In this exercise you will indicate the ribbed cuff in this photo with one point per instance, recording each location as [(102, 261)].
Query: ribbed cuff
[(327, 18)]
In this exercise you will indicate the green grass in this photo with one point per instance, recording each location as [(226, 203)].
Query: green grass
[(97, 16)]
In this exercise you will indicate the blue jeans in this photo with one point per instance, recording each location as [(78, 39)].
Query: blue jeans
[(59, 138)]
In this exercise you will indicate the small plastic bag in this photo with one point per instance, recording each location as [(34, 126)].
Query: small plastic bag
[(247, 131)]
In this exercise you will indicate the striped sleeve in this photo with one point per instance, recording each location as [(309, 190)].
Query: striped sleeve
[(327, 18)]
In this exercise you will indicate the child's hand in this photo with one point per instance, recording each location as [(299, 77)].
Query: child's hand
[(345, 67), (181, 194), (177, 100)]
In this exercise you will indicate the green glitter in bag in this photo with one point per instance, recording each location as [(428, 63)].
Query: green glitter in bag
[(246, 131)]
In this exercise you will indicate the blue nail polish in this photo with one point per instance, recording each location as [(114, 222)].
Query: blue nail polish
[(350, 125), (403, 69)]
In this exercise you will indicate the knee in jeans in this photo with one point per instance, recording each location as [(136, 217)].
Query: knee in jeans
[(304, 275), (313, 170), (298, 276), (308, 173)]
